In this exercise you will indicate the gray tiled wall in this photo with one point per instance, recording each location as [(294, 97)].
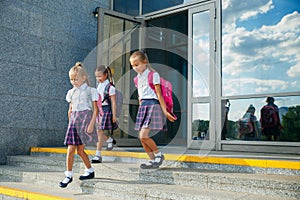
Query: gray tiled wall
[(39, 41)]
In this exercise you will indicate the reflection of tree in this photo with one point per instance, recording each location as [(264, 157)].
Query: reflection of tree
[(200, 125), (291, 124), (232, 129), (200, 129)]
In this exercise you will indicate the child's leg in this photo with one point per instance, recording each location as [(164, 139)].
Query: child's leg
[(148, 143), (89, 171), (84, 156), (101, 138), (70, 157), (69, 162)]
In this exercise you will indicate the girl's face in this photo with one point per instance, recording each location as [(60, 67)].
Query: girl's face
[(77, 80), (100, 77), (138, 65)]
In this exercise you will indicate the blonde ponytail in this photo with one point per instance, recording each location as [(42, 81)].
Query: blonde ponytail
[(79, 69)]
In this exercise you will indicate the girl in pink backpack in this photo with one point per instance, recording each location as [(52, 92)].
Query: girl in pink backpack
[(151, 110)]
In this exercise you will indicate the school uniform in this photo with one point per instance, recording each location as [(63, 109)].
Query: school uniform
[(81, 115), (150, 113), (106, 118)]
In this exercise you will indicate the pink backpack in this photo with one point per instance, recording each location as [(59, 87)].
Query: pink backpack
[(99, 105), (268, 118), (166, 90)]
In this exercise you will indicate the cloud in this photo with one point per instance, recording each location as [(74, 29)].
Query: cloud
[(261, 9), (236, 10), (294, 71), (263, 48), (253, 85)]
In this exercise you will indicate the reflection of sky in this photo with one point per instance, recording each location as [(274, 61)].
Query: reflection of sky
[(201, 54), (260, 52), (261, 44), (239, 107)]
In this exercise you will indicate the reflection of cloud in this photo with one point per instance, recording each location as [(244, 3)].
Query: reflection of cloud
[(267, 46), (294, 71), (235, 10), (253, 85), (200, 88), (261, 9)]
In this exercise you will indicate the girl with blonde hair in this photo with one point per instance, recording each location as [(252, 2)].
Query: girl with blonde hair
[(82, 115)]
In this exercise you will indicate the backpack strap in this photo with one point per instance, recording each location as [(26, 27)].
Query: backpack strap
[(150, 80), (135, 80), (106, 93)]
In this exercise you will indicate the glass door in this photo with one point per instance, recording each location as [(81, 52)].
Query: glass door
[(201, 74), (118, 35)]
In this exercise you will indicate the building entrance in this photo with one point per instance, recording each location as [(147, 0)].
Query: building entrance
[(181, 47)]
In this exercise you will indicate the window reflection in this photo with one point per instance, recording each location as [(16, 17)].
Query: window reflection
[(260, 47), (289, 116), (201, 54), (200, 124), (130, 7)]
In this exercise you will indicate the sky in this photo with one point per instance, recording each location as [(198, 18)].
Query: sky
[(260, 52), (261, 45)]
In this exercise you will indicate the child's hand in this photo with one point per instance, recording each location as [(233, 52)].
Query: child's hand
[(114, 119), (170, 117), (90, 129)]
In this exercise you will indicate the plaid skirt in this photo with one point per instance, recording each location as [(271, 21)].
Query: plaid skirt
[(77, 127), (150, 116), (106, 120)]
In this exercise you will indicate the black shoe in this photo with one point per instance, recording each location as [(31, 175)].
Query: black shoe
[(97, 159), (158, 160), (114, 141), (87, 175), (63, 185), (148, 165)]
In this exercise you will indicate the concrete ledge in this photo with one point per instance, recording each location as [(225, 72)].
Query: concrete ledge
[(247, 162), (25, 194)]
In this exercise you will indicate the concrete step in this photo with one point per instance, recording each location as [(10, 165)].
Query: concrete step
[(56, 163), (19, 190), (137, 190), (117, 189), (48, 170), (224, 162)]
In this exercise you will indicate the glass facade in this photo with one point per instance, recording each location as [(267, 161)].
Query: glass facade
[(260, 58), (289, 118), (130, 7), (155, 5)]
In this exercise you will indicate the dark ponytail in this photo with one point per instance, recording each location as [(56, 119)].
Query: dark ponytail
[(110, 76), (105, 70)]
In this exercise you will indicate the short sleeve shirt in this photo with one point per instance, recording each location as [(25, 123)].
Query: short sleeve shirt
[(144, 89), (82, 97), (101, 88)]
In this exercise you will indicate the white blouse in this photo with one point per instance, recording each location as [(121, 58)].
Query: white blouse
[(101, 88), (82, 97), (144, 89)]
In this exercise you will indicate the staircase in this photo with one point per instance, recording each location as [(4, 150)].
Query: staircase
[(119, 177)]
